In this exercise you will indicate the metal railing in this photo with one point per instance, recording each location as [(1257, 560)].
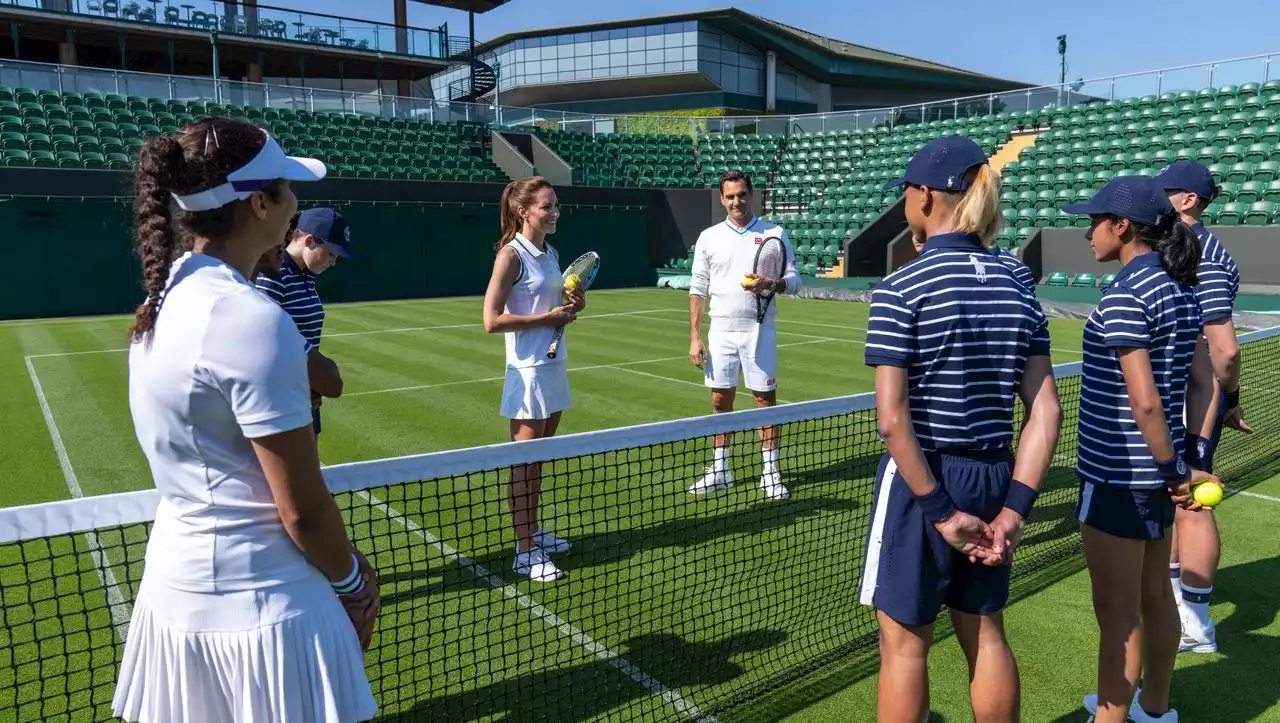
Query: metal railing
[(1237, 71), (263, 21)]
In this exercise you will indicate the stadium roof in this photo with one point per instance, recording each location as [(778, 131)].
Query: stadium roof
[(476, 6), (831, 47)]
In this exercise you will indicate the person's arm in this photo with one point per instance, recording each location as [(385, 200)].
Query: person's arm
[(699, 287), (273, 288), (506, 268), (323, 374)]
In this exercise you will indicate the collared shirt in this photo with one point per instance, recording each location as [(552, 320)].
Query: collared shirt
[(539, 288), (295, 291), (1219, 278), (1144, 309), (963, 326), (723, 255)]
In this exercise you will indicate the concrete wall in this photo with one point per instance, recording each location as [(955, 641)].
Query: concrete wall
[(549, 165), (1256, 251)]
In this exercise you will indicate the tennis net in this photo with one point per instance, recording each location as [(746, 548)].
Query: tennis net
[(674, 607)]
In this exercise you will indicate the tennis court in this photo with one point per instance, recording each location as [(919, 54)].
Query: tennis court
[(727, 608)]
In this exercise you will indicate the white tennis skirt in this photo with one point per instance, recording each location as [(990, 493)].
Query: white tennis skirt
[(287, 653), (536, 392)]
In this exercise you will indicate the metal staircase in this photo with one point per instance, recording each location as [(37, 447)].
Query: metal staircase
[(482, 79)]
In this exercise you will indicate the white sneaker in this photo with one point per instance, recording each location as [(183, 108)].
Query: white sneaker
[(1136, 713), (536, 565), (712, 481), (1197, 637), (549, 543), (771, 483)]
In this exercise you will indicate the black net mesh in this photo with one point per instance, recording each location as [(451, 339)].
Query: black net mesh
[(674, 606)]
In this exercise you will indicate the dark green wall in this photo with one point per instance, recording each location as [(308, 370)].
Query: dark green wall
[(68, 257)]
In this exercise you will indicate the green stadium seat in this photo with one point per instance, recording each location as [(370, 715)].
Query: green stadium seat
[(1057, 278), (1106, 280), (1083, 279)]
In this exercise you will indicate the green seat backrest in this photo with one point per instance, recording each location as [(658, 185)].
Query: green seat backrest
[(1057, 278)]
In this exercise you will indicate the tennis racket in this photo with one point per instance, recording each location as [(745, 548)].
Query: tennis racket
[(770, 263), (584, 267)]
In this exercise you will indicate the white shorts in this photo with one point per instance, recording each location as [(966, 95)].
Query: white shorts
[(287, 652), (754, 351), (536, 392)]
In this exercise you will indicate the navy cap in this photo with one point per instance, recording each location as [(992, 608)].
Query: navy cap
[(1137, 198), (330, 227), (1188, 176), (942, 164)]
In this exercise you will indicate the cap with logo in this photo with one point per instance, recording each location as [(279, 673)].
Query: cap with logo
[(1188, 176), (1137, 198), (942, 164), (330, 228)]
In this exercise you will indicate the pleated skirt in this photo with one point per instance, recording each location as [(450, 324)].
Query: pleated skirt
[(285, 654)]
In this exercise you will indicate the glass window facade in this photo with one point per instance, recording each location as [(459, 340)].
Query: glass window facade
[(793, 85), (733, 65)]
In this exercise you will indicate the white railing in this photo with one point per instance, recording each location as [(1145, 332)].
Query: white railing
[(1235, 71)]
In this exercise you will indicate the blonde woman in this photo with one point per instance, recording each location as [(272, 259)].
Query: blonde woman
[(953, 335), (526, 301)]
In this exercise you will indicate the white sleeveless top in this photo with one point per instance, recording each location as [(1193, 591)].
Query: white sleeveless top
[(538, 288)]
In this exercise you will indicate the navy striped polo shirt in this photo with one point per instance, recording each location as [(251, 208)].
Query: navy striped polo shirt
[(1144, 308), (1021, 271), (295, 291), (1219, 278), (962, 325)]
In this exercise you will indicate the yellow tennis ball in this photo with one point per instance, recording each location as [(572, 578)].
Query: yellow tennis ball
[(1208, 494), (572, 281), (747, 280)]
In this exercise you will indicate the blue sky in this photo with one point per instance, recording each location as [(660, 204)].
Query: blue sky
[(1005, 38)]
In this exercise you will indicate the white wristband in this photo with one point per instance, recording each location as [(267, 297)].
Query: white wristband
[(352, 582)]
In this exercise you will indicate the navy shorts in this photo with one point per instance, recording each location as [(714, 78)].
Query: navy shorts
[(1134, 514), (1200, 450), (315, 420), (909, 571)]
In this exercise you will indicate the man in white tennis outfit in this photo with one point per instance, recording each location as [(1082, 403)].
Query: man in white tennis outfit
[(724, 254)]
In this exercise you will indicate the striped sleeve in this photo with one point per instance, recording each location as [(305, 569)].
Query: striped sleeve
[(1040, 337), (1213, 293), (1124, 320), (273, 288), (891, 337)]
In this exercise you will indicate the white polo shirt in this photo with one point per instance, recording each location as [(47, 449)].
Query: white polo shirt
[(723, 255), (225, 365), (539, 288)]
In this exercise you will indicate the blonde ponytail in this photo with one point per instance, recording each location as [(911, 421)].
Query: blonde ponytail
[(518, 193), (978, 209)]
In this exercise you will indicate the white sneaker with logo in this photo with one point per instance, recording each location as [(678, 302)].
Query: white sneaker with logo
[(712, 481), (771, 483), (1136, 713), (549, 543), (536, 565)]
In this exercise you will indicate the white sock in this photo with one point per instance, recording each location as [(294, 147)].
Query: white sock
[(1196, 599), (1175, 579), (721, 459), (770, 461)]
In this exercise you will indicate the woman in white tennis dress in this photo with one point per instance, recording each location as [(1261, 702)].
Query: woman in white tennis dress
[(526, 301), (253, 605)]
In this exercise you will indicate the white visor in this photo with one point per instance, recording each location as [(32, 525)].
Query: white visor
[(269, 165)]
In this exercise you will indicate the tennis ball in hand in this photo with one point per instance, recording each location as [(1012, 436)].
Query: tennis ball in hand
[(748, 280), (1208, 494), (572, 282)]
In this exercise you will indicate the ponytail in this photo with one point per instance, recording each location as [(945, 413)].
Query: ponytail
[(518, 193), (159, 162), (1179, 248), (978, 210)]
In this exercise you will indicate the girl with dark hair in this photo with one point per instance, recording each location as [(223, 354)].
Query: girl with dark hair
[(1138, 346), (526, 301), (254, 604)]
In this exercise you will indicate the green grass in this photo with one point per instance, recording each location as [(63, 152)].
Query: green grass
[(717, 599)]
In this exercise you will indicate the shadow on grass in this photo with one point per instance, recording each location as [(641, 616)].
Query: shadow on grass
[(589, 690)]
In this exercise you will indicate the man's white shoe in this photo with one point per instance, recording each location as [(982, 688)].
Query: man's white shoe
[(1136, 713), (712, 481), (536, 565), (1196, 637), (549, 543), (771, 483)]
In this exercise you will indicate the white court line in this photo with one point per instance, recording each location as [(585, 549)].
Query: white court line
[(1255, 495), (614, 659), (616, 365), (473, 325), (700, 385), (115, 599)]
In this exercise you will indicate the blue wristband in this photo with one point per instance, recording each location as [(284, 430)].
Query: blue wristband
[(1020, 498), (937, 505), (1233, 399), (1174, 471)]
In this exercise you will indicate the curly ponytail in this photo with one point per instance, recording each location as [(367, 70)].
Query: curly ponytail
[(1179, 248), (518, 193), (159, 163)]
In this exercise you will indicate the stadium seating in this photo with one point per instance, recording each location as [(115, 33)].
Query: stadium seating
[(626, 159), (48, 129)]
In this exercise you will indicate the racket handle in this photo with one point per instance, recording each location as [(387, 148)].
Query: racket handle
[(554, 348)]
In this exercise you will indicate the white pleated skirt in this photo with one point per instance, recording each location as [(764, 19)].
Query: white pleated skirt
[(279, 655), (535, 392)]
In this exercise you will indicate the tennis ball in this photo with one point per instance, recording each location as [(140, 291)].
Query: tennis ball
[(1208, 494), (747, 280), (572, 281)]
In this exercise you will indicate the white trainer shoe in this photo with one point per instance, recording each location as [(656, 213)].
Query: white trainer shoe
[(536, 565), (1196, 636), (771, 483), (1136, 713), (712, 481), (549, 543)]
